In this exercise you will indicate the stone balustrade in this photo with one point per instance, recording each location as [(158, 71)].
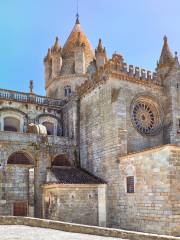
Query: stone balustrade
[(30, 98)]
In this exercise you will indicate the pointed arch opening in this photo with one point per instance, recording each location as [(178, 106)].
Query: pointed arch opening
[(49, 127), (20, 158), (61, 160), (11, 124)]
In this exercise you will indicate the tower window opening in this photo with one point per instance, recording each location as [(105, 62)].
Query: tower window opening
[(67, 91), (130, 184)]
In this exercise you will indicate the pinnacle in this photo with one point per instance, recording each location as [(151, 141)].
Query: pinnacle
[(166, 54), (77, 19)]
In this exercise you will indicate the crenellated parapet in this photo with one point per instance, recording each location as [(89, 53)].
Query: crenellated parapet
[(131, 73), (116, 68)]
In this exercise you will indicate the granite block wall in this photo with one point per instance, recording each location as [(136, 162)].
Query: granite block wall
[(72, 204), (154, 205)]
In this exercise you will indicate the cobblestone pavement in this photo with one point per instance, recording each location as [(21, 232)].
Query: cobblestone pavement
[(19, 232)]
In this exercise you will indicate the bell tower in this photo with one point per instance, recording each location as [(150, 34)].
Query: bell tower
[(66, 68)]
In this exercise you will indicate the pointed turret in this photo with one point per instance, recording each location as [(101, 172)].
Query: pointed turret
[(48, 65), (167, 60), (53, 61), (100, 53), (166, 57), (77, 36), (56, 58)]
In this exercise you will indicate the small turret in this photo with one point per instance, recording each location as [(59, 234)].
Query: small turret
[(166, 61), (48, 65), (56, 58), (100, 54)]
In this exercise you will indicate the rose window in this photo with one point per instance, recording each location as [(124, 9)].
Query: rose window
[(146, 116)]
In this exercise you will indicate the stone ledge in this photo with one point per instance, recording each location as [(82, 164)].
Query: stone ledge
[(77, 228)]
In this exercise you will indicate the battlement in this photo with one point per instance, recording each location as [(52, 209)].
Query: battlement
[(117, 65), (115, 68)]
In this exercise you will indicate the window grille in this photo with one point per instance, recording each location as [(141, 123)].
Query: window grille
[(130, 184)]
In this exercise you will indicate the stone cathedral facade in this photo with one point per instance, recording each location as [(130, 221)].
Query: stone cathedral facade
[(102, 148)]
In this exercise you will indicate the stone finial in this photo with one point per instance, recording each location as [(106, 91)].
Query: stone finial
[(165, 39), (77, 19), (56, 47), (31, 86), (100, 48)]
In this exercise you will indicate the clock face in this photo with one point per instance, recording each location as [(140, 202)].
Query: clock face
[(146, 116)]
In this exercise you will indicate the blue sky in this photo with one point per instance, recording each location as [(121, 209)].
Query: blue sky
[(134, 28)]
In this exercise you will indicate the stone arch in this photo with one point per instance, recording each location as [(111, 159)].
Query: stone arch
[(11, 124), (20, 157), (13, 113), (51, 122), (49, 127), (61, 160)]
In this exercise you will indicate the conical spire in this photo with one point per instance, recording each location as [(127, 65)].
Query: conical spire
[(77, 19), (100, 48), (77, 35), (166, 57)]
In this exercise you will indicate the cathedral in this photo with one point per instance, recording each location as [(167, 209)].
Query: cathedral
[(101, 148)]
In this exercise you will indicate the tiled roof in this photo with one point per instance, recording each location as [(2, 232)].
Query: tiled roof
[(72, 175), (69, 47)]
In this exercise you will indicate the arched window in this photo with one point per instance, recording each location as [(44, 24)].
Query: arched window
[(67, 91), (11, 124), (50, 127), (61, 160), (19, 158)]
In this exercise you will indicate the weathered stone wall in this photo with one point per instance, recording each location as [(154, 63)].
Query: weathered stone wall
[(100, 142), (72, 204), (174, 177), (14, 178), (127, 93), (106, 131), (150, 207), (172, 89), (55, 88), (14, 187)]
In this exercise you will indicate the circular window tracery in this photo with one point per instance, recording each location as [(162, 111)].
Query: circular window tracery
[(146, 116)]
